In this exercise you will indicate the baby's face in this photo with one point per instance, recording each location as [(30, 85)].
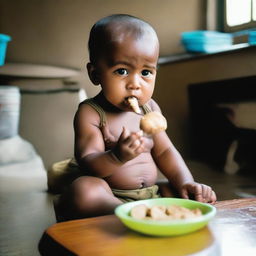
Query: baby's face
[(129, 69)]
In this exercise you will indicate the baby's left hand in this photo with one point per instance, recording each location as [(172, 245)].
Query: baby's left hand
[(200, 192)]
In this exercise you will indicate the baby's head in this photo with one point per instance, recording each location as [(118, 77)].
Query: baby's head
[(123, 52), (114, 28)]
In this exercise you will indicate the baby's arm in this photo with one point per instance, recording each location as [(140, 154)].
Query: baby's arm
[(90, 148), (171, 164)]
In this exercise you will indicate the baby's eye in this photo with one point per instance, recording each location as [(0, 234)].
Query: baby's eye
[(146, 73), (121, 71)]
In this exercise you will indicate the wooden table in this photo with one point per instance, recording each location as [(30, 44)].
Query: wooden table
[(231, 232)]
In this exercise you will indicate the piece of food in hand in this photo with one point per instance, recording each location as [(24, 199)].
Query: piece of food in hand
[(153, 122), (134, 104), (139, 211)]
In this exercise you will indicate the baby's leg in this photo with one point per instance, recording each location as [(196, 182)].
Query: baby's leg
[(167, 190), (87, 197)]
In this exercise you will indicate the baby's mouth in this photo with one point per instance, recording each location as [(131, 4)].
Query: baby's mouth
[(129, 99), (134, 104)]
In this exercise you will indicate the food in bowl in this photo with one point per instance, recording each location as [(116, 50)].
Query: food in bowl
[(162, 212), (171, 227)]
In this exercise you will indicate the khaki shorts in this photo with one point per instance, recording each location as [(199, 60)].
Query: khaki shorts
[(136, 194), (61, 175)]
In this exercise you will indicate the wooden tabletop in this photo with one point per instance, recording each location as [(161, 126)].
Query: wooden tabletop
[(231, 232)]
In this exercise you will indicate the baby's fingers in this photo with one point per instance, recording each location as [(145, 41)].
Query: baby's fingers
[(184, 193), (213, 197), (133, 140), (142, 147), (124, 135), (134, 144), (206, 192), (209, 195), (199, 193)]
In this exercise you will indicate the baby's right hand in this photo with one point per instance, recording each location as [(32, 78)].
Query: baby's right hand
[(129, 145)]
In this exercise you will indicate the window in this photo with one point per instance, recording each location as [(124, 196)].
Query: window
[(238, 14)]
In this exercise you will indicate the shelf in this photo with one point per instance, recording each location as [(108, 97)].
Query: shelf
[(23, 70), (190, 56)]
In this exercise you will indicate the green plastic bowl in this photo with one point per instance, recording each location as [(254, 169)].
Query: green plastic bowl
[(169, 227)]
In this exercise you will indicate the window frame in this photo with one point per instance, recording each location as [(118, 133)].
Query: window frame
[(222, 19)]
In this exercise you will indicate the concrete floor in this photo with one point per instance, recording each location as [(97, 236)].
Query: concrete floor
[(226, 186), (23, 218), (24, 215)]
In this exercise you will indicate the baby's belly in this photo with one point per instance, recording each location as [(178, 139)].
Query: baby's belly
[(137, 173)]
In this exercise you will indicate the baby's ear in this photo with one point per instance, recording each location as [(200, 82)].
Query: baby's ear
[(93, 74)]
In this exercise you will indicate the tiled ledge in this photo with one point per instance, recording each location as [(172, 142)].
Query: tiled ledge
[(163, 60)]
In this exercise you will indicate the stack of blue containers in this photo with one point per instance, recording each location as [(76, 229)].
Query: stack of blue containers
[(206, 41), (252, 37), (4, 39)]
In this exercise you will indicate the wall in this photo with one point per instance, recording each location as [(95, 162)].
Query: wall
[(55, 32), (173, 79)]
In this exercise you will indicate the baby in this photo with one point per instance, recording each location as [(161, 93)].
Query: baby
[(119, 163)]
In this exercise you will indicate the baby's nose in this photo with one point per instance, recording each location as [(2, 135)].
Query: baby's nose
[(134, 83)]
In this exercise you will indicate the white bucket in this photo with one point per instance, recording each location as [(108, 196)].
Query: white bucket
[(9, 111)]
